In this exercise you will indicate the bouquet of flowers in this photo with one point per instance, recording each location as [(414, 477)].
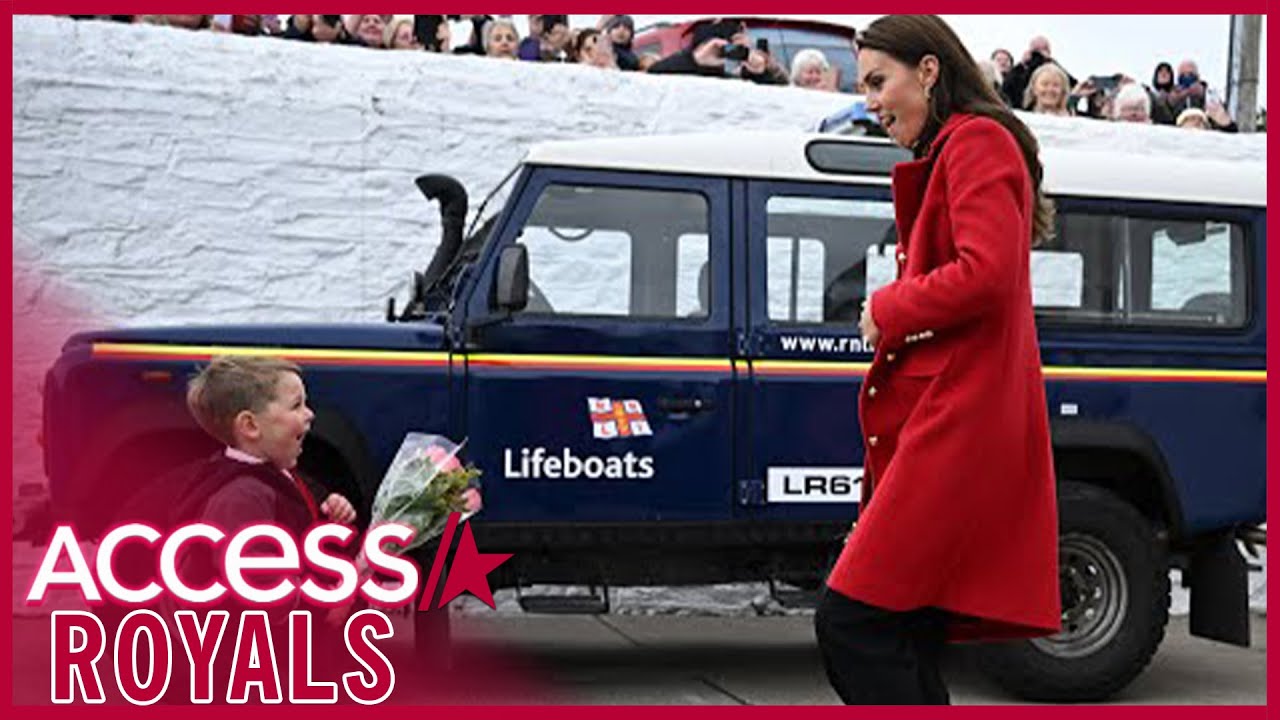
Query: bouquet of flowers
[(425, 485)]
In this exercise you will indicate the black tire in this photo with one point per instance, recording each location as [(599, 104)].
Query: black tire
[(1115, 596)]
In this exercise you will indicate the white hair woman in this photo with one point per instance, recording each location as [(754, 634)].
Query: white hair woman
[(1132, 104), (501, 39), (809, 69)]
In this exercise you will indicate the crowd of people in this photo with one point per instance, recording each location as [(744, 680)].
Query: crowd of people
[(1036, 83), (1040, 84)]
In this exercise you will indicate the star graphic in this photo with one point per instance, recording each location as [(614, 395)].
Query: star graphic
[(470, 571)]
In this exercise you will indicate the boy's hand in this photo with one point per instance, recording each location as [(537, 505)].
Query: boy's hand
[(338, 509)]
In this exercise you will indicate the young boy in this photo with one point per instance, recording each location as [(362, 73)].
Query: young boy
[(257, 406)]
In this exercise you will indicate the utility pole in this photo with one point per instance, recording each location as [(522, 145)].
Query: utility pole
[(1242, 70)]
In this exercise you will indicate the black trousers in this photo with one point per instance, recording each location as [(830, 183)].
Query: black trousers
[(880, 657)]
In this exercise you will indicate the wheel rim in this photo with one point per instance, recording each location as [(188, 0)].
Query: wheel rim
[(1094, 597)]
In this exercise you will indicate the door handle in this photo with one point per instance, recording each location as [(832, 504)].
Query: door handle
[(684, 405)]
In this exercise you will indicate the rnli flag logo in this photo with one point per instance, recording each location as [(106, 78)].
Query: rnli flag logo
[(617, 418)]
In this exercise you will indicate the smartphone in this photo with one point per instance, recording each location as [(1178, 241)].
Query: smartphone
[(1105, 83), (762, 45)]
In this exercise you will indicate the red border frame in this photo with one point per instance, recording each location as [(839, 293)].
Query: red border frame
[(1080, 7)]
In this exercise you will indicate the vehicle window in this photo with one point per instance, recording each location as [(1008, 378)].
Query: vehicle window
[(1191, 271), (618, 252), (693, 276), (823, 255), (1142, 271)]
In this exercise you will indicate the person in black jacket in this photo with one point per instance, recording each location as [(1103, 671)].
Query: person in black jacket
[(1038, 53), (621, 30), (707, 54)]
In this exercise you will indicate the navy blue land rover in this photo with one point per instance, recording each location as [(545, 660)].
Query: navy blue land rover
[(652, 351)]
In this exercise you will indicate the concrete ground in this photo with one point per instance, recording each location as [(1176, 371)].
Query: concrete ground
[(619, 659), (659, 660)]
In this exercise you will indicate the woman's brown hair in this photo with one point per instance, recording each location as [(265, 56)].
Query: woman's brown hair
[(961, 87)]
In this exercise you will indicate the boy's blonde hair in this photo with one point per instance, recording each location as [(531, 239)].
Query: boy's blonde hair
[(228, 386)]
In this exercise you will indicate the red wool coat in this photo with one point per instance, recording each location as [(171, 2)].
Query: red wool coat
[(959, 508)]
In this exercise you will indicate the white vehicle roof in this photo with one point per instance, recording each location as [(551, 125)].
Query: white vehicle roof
[(781, 155)]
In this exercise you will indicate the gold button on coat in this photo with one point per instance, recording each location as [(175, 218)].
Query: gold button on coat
[(873, 441)]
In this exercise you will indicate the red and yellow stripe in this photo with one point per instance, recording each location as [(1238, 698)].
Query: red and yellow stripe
[(809, 368), (302, 356), (606, 363), (1154, 375), (602, 363)]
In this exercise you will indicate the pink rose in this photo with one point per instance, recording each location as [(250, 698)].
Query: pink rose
[(442, 459)]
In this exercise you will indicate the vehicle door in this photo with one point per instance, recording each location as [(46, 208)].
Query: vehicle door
[(816, 251), (609, 397)]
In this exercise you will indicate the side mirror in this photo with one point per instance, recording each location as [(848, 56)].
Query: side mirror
[(511, 286)]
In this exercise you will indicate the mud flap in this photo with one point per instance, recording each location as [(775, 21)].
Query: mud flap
[(1219, 582)]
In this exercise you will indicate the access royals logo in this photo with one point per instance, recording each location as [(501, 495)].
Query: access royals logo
[(249, 635)]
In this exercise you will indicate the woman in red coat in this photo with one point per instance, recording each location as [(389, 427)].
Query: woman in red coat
[(957, 532)]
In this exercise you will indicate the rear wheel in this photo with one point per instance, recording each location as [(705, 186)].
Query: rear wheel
[(1114, 582)]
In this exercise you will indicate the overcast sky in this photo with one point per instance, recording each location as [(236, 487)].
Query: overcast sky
[(1084, 44)]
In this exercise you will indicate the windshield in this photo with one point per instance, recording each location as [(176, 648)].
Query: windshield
[(493, 202)]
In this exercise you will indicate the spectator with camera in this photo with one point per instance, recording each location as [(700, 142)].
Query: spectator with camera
[(716, 43), (621, 31), (1190, 91), (554, 40), (1018, 77)]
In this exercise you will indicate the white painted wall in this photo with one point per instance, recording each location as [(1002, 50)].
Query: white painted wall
[(172, 176)]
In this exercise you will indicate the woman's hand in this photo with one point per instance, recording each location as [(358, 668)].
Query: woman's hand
[(710, 53), (757, 62), (867, 324), (1217, 113)]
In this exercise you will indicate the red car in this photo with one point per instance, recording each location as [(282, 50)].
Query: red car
[(786, 38)]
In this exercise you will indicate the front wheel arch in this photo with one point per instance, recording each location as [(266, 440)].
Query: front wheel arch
[(1096, 655)]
